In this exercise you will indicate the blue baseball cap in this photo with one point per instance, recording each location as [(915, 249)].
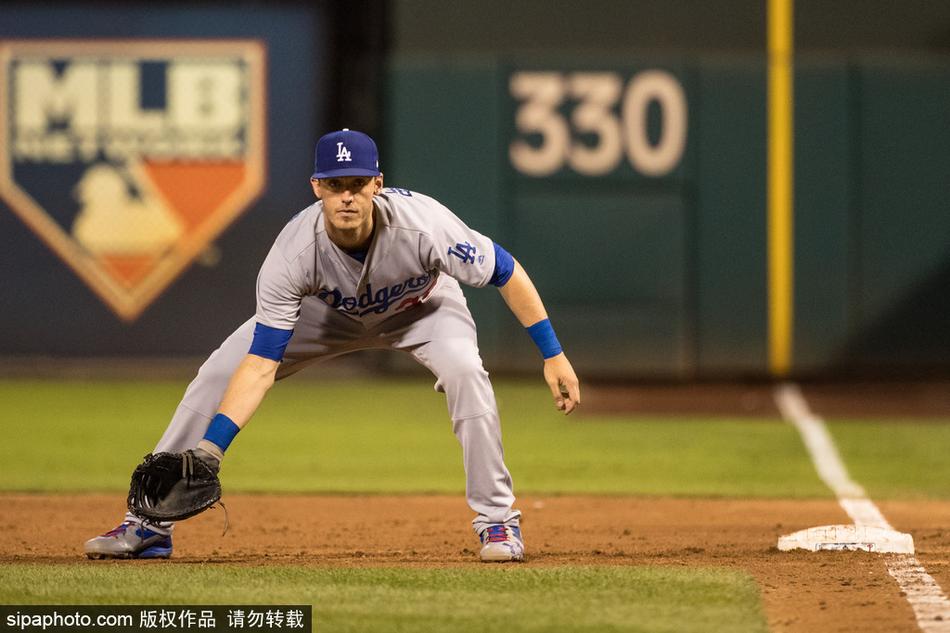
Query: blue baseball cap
[(345, 153)]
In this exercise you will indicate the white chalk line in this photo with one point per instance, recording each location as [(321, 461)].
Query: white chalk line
[(930, 604)]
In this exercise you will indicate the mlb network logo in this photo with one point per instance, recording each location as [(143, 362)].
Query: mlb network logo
[(128, 157)]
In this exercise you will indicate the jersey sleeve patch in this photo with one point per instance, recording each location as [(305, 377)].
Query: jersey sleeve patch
[(270, 342), (504, 266)]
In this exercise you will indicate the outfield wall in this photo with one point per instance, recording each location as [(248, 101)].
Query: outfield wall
[(617, 149)]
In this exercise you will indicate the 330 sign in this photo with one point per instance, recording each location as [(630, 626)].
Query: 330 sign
[(541, 98)]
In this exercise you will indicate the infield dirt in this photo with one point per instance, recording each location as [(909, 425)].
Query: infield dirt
[(828, 591)]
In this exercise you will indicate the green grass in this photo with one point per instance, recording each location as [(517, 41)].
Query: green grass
[(896, 459), (509, 598), (394, 437)]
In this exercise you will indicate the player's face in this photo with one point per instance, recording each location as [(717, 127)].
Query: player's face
[(348, 200)]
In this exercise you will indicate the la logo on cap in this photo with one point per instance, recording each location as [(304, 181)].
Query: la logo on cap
[(343, 154)]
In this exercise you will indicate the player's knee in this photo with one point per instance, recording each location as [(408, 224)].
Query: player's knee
[(464, 380), (462, 370)]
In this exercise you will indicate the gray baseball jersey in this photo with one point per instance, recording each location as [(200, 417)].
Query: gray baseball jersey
[(405, 296), (416, 241)]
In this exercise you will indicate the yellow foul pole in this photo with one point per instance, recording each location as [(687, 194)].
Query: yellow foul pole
[(780, 188)]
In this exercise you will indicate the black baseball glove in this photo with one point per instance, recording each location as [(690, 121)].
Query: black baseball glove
[(174, 486)]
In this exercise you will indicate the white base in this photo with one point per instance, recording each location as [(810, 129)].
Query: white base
[(848, 538)]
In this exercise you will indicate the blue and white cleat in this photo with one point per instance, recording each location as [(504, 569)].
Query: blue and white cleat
[(501, 543), (130, 540)]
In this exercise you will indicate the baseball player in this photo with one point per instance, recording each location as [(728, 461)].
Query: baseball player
[(367, 267)]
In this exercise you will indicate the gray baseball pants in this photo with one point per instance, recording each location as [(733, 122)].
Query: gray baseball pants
[(439, 334)]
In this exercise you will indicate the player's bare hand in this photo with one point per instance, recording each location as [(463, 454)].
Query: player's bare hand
[(563, 382)]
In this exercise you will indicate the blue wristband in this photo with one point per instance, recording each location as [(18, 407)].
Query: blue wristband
[(544, 337), (221, 431)]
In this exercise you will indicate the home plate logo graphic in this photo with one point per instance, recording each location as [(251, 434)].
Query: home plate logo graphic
[(128, 157)]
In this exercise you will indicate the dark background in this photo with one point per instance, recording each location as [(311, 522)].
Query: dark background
[(409, 71)]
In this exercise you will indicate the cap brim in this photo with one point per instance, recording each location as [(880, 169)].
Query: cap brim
[(337, 173)]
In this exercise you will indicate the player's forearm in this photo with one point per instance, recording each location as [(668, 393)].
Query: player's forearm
[(248, 386), (522, 298), (525, 302)]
